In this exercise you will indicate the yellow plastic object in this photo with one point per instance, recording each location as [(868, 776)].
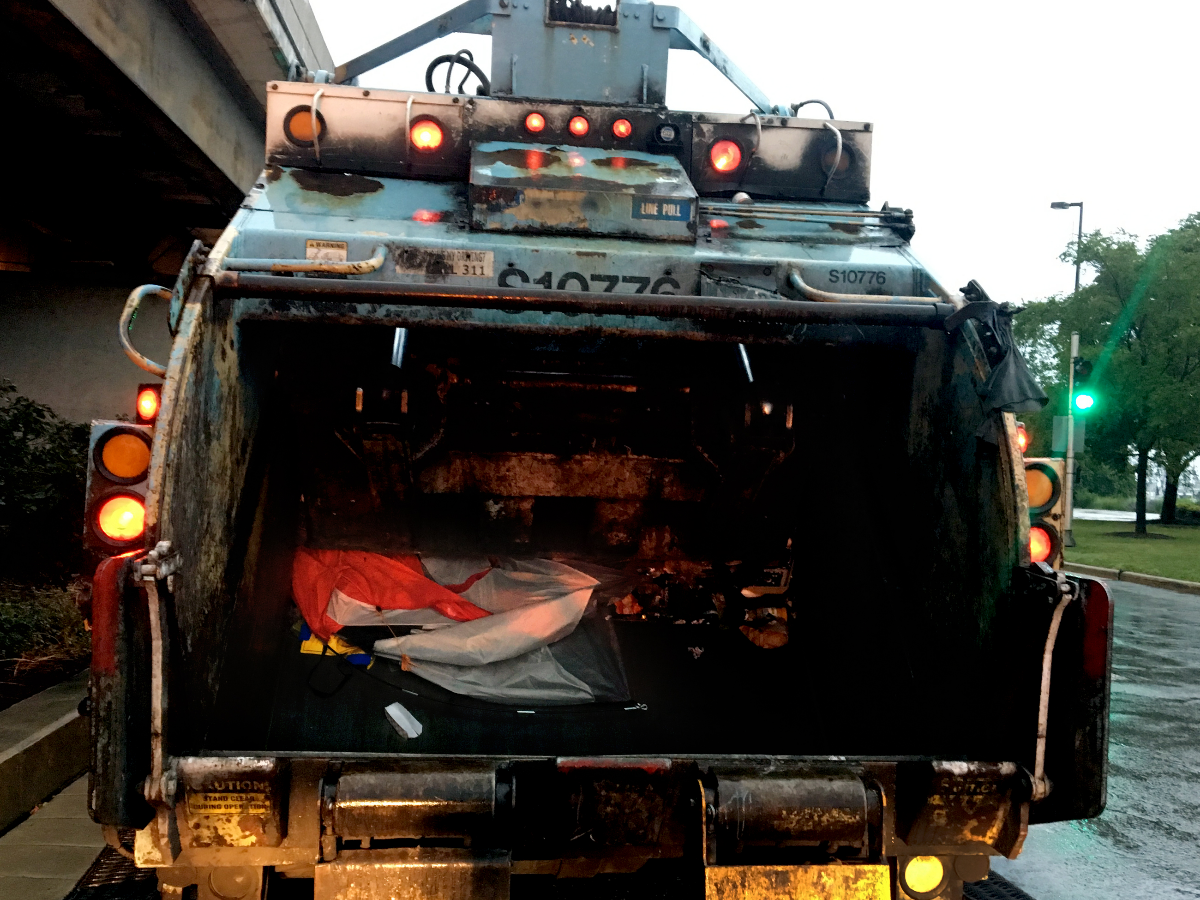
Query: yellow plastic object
[(125, 455), (923, 874), (342, 647), (866, 882)]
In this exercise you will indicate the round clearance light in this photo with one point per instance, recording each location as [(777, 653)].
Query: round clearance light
[(578, 126), (1022, 438), (924, 876), (622, 128), (147, 403), (298, 126), (123, 456), (1042, 542), (726, 156), (843, 162), (535, 122), (1043, 487), (122, 518), (667, 133), (426, 135)]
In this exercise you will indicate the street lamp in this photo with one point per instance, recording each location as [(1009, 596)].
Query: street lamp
[(1059, 204)]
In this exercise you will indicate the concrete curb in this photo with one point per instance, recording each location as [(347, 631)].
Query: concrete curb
[(1155, 581), (44, 745)]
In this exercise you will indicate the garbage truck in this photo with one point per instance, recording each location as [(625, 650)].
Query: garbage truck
[(549, 488)]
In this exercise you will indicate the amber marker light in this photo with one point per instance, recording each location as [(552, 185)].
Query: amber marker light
[(725, 155), (426, 135), (122, 518), (622, 128), (578, 126), (1040, 544), (125, 456), (924, 874), (535, 122), (147, 403)]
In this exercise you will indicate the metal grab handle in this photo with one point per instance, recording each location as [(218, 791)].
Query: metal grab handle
[(131, 305), (357, 267), (812, 293)]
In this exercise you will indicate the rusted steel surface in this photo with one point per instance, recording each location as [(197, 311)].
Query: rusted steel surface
[(413, 802), (927, 315), (804, 808), (958, 804), (839, 882), (237, 802), (424, 873), (599, 475)]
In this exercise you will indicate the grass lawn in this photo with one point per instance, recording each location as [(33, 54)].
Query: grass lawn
[(1176, 555)]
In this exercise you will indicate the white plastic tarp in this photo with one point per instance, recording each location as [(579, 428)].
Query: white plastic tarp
[(502, 657)]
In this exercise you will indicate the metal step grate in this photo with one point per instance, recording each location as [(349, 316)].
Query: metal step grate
[(115, 877), (997, 887)]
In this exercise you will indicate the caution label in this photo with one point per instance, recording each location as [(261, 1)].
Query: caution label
[(325, 251), (211, 803)]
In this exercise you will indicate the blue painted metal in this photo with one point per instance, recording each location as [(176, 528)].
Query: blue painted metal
[(536, 56), (426, 231), (580, 190)]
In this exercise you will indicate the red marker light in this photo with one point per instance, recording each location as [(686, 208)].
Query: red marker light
[(427, 215), (622, 128), (1022, 438), (1040, 544), (122, 518), (149, 399), (426, 135), (725, 155), (578, 126), (535, 122), (717, 223)]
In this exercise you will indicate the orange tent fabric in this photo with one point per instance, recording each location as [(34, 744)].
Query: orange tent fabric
[(389, 582)]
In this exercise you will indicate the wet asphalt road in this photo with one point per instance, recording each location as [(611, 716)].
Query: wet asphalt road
[(1146, 845)]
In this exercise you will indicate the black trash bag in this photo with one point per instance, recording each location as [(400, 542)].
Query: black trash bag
[(1010, 387)]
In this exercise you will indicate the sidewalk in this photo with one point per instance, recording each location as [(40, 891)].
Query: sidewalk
[(43, 857)]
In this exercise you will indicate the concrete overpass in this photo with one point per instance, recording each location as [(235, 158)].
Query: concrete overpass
[(132, 127)]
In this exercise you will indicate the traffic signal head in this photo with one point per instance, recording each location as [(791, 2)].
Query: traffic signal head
[(1084, 397)]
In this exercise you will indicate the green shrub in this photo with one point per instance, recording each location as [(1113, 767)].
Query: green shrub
[(40, 624), (42, 477)]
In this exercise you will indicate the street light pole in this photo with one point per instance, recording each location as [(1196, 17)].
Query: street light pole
[(1069, 487), (1079, 240)]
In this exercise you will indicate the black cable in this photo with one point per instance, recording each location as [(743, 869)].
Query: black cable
[(463, 58), (796, 106)]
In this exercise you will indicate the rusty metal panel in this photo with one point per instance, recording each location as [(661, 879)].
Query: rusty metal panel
[(235, 802), (840, 882), (964, 804), (805, 809), (580, 190), (599, 475), (422, 873), (421, 802)]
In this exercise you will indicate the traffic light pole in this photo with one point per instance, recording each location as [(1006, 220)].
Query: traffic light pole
[(1069, 487)]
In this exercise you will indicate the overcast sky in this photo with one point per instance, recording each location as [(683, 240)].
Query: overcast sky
[(983, 113)]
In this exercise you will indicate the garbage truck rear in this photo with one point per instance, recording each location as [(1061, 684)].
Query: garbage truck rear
[(547, 484)]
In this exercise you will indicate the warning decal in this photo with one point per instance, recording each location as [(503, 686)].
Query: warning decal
[(228, 804), (325, 251)]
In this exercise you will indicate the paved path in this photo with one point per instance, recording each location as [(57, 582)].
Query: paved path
[(1146, 845), (43, 857)]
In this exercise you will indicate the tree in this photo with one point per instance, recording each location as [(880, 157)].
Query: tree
[(1139, 321)]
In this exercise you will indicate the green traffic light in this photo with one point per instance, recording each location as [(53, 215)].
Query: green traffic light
[(1084, 402)]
